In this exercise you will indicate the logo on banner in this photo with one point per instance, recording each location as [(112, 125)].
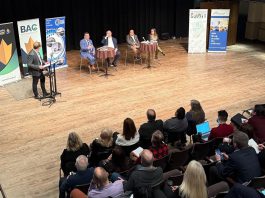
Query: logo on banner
[(28, 28), (5, 52)]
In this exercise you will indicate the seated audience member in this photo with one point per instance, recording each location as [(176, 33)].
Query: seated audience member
[(257, 121), (196, 112), (195, 176), (158, 148), (129, 139), (101, 147), (134, 44), (261, 156), (74, 148), (145, 176), (111, 42), (82, 176), (117, 161), (100, 186), (153, 37), (242, 165), (223, 130), (87, 50), (241, 191), (147, 129), (176, 127)]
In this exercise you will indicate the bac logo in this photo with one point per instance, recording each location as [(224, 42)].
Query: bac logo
[(28, 28)]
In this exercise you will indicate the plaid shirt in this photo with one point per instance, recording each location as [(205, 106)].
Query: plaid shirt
[(160, 151)]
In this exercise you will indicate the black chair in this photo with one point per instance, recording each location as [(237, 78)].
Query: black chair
[(179, 159), (2, 191), (175, 180), (162, 162), (221, 195), (126, 174), (157, 190), (201, 151), (257, 182)]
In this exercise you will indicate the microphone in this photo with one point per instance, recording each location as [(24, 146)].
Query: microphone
[(144, 39), (106, 37)]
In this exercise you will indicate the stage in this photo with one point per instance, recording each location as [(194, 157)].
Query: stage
[(33, 137)]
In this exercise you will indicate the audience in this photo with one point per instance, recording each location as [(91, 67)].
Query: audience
[(74, 148), (237, 165), (147, 129), (241, 191), (223, 130), (158, 148), (101, 147), (194, 183), (129, 139), (117, 161), (176, 127), (82, 176), (257, 121), (196, 112), (100, 186)]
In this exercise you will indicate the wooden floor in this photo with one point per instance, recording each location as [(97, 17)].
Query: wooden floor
[(32, 137)]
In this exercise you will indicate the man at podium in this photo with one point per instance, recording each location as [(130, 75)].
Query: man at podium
[(36, 67)]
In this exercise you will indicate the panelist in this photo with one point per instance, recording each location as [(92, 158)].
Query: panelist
[(153, 37), (87, 50), (35, 64), (110, 41), (134, 44)]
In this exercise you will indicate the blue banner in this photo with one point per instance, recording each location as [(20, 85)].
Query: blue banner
[(55, 41), (218, 30)]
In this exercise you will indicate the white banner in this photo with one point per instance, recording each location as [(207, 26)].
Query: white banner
[(29, 32), (197, 30)]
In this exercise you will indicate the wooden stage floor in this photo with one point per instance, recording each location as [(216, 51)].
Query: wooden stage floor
[(32, 136)]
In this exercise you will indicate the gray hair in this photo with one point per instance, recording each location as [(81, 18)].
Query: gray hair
[(81, 163)]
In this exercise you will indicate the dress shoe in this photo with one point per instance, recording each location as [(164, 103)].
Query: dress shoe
[(163, 53), (38, 97), (45, 95)]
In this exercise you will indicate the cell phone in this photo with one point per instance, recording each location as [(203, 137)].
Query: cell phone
[(218, 152)]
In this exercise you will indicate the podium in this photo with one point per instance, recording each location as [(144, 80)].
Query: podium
[(53, 84)]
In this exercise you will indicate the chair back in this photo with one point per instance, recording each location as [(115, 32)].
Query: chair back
[(201, 150), (191, 128), (179, 158), (2, 192), (176, 180), (257, 182), (84, 188), (162, 162), (157, 190)]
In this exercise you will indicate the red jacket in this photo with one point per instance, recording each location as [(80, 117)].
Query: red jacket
[(258, 124), (223, 130)]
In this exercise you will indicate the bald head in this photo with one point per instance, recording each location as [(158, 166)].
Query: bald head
[(81, 163), (100, 177), (151, 114), (147, 158)]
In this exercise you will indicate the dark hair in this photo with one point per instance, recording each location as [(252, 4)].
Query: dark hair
[(118, 156), (157, 138), (180, 113), (240, 139), (222, 115), (151, 114), (86, 33), (129, 129), (259, 110)]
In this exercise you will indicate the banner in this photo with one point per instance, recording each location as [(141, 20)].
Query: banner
[(29, 32), (55, 41), (197, 30), (218, 30), (9, 66)]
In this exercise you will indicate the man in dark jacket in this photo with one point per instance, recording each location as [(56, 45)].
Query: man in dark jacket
[(242, 165), (147, 129), (35, 64)]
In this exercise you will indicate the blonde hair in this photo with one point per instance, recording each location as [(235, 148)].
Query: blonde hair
[(74, 142), (194, 182), (106, 139)]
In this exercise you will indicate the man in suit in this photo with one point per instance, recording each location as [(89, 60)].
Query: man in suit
[(87, 50), (35, 64), (134, 44), (242, 165), (83, 175), (147, 129), (110, 41)]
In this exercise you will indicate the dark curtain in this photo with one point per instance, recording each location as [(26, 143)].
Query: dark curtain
[(97, 16)]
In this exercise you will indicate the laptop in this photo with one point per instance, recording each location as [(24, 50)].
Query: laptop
[(204, 129)]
